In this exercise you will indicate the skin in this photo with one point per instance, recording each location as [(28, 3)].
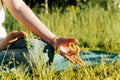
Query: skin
[(11, 37), (22, 13)]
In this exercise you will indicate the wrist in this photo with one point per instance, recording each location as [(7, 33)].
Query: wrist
[(53, 42)]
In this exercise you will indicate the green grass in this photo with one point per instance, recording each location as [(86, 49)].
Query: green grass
[(95, 29)]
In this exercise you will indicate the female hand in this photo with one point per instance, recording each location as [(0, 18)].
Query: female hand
[(15, 35), (68, 48), (11, 37)]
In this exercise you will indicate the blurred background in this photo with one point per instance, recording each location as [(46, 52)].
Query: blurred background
[(95, 23)]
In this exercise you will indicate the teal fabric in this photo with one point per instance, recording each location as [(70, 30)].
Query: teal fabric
[(89, 57), (21, 53)]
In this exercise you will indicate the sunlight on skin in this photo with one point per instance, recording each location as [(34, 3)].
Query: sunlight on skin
[(15, 35), (69, 49), (72, 55), (10, 38)]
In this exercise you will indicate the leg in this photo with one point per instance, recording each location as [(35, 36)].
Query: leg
[(39, 48), (35, 47), (27, 50)]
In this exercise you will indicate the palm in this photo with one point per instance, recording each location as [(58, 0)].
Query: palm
[(69, 49)]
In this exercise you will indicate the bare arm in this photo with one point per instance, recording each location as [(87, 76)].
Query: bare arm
[(25, 15)]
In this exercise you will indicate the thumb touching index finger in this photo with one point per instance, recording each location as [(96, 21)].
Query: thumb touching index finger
[(73, 40)]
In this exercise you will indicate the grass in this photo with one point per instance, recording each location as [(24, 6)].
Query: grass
[(95, 29)]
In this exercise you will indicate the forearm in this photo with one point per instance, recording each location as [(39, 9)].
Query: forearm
[(24, 14)]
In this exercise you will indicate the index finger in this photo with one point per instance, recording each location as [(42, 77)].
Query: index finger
[(73, 40)]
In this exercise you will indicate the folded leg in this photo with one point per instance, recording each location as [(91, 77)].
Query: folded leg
[(25, 52)]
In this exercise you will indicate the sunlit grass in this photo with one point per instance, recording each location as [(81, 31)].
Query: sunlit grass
[(95, 72), (95, 29)]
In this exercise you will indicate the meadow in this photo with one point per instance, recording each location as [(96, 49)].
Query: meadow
[(94, 27)]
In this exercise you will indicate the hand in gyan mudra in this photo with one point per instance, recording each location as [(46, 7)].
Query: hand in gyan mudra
[(69, 49), (15, 35), (11, 38)]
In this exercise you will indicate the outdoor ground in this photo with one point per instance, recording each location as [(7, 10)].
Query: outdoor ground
[(95, 29)]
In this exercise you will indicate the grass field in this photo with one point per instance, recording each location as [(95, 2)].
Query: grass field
[(95, 29)]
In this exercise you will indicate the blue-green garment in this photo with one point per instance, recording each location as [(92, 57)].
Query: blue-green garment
[(30, 51)]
